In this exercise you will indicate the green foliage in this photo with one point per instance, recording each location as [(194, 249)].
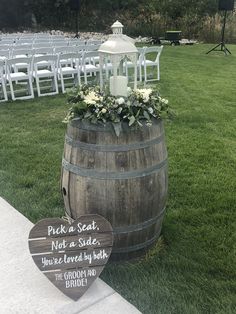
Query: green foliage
[(138, 108), (11, 14), (176, 9)]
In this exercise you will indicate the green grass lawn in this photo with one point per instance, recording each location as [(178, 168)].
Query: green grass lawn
[(192, 268)]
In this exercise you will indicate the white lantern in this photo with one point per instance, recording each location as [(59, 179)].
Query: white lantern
[(114, 53)]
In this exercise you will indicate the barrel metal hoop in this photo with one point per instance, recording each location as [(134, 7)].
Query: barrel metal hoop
[(136, 247), (138, 227), (84, 172), (113, 148)]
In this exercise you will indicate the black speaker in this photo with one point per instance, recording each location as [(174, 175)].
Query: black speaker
[(74, 5), (226, 5)]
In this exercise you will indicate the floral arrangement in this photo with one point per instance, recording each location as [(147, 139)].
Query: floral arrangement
[(140, 107)]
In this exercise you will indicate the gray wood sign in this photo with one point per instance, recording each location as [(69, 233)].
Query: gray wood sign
[(73, 255)]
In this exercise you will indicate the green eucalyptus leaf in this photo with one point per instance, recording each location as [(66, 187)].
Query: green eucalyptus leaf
[(146, 115), (117, 128), (131, 120), (137, 114), (87, 114)]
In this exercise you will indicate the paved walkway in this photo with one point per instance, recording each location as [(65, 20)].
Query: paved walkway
[(24, 290)]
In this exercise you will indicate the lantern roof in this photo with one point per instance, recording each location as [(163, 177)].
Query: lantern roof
[(118, 43)]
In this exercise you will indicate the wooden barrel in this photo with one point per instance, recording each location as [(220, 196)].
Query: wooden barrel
[(123, 179)]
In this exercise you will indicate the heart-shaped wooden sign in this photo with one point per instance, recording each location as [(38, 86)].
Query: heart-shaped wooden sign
[(73, 255)]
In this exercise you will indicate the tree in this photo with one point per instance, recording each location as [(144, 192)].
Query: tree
[(11, 13)]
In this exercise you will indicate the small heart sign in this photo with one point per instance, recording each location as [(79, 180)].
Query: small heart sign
[(73, 255)]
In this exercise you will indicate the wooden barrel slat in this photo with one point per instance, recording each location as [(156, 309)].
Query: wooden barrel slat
[(123, 161), (121, 178)]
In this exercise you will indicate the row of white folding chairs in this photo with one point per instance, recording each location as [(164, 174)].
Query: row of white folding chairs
[(46, 43), (53, 40), (31, 36), (15, 38), (73, 64), (9, 53), (24, 52), (54, 67), (18, 35), (43, 37), (30, 41), (42, 43)]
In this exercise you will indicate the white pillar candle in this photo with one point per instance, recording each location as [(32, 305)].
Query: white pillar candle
[(118, 85)]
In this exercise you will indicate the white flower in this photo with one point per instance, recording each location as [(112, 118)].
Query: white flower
[(145, 99), (150, 109), (129, 90), (91, 98), (103, 110), (165, 101), (120, 100), (148, 91), (144, 93)]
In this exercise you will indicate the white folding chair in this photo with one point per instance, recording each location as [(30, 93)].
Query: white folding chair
[(129, 65), (76, 42), (48, 73), (21, 45), (94, 42), (21, 52), (58, 37), (95, 59), (4, 54), (81, 47), (90, 47), (26, 76), (2, 82), (146, 62), (7, 41), (87, 65), (25, 40), (38, 52), (5, 47), (68, 66), (42, 44), (107, 67), (42, 36), (42, 39), (64, 49), (61, 43)]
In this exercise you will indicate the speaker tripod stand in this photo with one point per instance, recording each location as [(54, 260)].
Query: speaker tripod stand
[(77, 24), (221, 45)]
